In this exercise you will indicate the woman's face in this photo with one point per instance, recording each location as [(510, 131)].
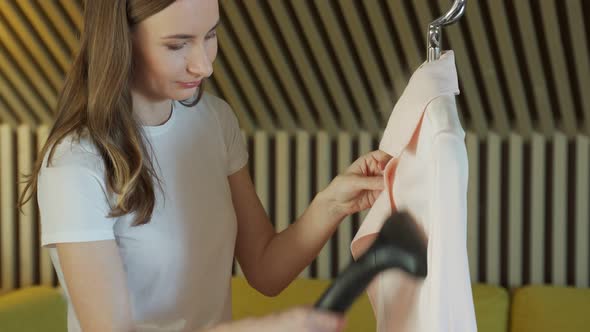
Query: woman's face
[(175, 48)]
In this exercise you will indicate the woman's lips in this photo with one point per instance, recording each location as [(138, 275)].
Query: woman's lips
[(189, 85)]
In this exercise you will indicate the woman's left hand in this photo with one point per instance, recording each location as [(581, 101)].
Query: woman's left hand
[(357, 188)]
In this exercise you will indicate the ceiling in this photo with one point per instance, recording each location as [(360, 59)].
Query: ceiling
[(524, 65)]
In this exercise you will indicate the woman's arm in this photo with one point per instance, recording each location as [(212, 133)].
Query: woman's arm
[(270, 261), (97, 286), (96, 283), (301, 319)]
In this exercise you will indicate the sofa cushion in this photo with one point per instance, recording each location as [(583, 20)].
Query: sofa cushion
[(44, 309), (549, 308), (492, 306), (33, 309), (248, 302)]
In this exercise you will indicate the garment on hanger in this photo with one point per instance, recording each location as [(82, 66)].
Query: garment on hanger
[(427, 177)]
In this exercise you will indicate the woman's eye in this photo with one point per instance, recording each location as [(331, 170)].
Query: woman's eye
[(176, 47), (211, 35)]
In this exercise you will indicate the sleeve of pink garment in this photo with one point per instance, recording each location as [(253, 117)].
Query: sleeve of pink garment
[(426, 177)]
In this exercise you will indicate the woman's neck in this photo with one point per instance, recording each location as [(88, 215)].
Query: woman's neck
[(151, 112)]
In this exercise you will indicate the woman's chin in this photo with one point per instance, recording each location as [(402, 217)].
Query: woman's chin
[(185, 94)]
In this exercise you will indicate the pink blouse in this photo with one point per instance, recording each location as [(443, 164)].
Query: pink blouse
[(426, 177)]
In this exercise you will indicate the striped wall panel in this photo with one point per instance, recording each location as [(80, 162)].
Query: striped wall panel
[(528, 203), (528, 211), (22, 262), (337, 65)]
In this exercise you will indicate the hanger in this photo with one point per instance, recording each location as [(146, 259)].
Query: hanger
[(434, 28)]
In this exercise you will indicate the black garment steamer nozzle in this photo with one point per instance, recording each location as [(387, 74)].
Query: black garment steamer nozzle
[(401, 244)]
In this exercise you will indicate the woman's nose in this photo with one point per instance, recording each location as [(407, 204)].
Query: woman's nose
[(199, 64)]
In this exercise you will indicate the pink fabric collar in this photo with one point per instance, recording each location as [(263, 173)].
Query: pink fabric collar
[(431, 80)]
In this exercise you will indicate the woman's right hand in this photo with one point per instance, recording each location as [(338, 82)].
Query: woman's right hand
[(301, 319)]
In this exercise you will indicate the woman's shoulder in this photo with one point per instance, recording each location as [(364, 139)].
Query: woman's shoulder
[(75, 151), (222, 110), (218, 106), (209, 106), (214, 102)]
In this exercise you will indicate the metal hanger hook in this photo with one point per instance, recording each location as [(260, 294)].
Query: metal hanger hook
[(434, 43)]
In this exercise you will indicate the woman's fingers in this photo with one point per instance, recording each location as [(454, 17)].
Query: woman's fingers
[(299, 319), (381, 155), (370, 164), (318, 321), (358, 187), (368, 183), (307, 319), (383, 158)]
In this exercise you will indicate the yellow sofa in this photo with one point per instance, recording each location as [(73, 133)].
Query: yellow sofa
[(527, 309), (491, 304)]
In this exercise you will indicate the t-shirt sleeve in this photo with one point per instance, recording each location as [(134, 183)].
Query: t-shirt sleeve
[(73, 206), (235, 146)]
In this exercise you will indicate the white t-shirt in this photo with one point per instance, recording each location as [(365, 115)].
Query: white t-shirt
[(179, 265)]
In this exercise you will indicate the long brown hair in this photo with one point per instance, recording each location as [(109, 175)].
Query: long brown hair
[(96, 97)]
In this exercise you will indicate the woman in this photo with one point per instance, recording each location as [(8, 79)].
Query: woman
[(145, 198)]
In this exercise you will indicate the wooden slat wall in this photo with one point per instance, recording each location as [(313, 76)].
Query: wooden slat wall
[(528, 211), (339, 65), (313, 82), (8, 221)]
